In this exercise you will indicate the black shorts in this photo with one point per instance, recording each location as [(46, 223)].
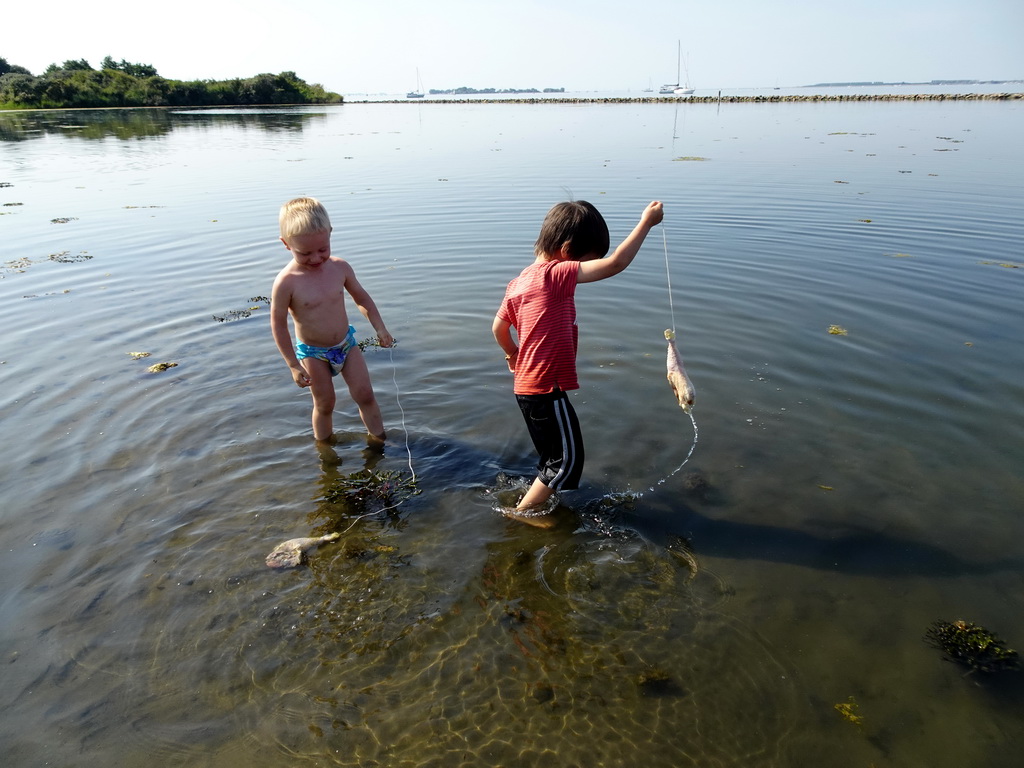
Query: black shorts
[(556, 435)]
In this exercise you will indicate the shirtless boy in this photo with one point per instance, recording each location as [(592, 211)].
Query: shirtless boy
[(312, 289)]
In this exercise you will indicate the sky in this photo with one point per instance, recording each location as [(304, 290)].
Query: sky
[(377, 46)]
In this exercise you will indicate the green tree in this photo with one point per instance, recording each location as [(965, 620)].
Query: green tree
[(135, 70), (7, 69), (124, 84), (76, 65), (18, 88), (149, 92), (194, 93), (140, 70)]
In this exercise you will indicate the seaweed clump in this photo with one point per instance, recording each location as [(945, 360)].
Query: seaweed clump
[(368, 487), (241, 314), (973, 646), (372, 341)]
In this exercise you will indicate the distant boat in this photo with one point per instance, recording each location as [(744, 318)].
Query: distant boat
[(650, 86), (418, 93), (675, 88)]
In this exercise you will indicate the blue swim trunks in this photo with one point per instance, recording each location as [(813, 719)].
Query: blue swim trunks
[(333, 356)]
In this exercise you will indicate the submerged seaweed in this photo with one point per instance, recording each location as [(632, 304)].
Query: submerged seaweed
[(65, 257), (849, 711), (368, 486)]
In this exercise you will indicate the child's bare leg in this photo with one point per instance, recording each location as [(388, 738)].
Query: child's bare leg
[(322, 387), (357, 376)]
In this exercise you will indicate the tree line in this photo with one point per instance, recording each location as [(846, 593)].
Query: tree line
[(76, 84)]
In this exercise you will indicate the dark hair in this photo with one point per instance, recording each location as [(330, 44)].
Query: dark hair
[(577, 223)]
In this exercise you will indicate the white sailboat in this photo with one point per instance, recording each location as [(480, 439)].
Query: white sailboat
[(675, 88), (418, 93)]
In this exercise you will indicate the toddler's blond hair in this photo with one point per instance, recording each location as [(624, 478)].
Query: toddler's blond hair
[(303, 216)]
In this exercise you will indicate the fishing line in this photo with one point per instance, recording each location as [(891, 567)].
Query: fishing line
[(408, 450), (689, 412), (668, 280), (398, 400)]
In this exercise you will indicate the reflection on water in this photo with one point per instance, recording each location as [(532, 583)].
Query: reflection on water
[(128, 124), (701, 603)]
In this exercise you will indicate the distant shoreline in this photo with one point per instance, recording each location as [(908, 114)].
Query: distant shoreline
[(939, 83), (763, 99)]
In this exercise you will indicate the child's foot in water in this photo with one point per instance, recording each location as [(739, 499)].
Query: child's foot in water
[(536, 519), (377, 442)]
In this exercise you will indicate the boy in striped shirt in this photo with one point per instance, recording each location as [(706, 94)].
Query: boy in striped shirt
[(540, 305)]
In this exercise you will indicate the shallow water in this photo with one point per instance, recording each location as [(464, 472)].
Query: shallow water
[(845, 490)]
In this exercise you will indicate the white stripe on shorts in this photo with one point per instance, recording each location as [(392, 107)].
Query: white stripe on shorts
[(568, 445)]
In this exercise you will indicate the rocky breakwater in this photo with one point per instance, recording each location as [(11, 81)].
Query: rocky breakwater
[(765, 99)]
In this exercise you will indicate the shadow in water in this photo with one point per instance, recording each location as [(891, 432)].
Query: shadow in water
[(843, 548), (445, 464)]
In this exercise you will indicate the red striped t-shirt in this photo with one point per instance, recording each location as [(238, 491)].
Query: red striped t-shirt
[(540, 304)]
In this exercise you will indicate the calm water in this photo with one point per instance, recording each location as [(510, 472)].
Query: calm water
[(845, 491)]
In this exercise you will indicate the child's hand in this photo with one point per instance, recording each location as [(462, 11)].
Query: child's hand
[(511, 360), (300, 377), (653, 214), (385, 339)]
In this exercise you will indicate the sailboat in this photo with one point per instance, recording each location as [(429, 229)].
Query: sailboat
[(418, 93), (675, 88)]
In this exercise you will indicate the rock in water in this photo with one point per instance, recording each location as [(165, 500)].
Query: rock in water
[(291, 553)]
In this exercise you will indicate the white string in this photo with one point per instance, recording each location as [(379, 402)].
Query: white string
[(668, 279), (672, 313), (398, 399), (357, 519), (408, 450)]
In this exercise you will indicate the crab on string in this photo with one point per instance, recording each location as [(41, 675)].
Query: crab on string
[(975, 647)]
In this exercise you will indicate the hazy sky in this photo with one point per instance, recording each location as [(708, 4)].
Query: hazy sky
[(376, 46)]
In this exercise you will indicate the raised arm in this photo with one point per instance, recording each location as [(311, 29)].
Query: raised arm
[(622, 257)]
